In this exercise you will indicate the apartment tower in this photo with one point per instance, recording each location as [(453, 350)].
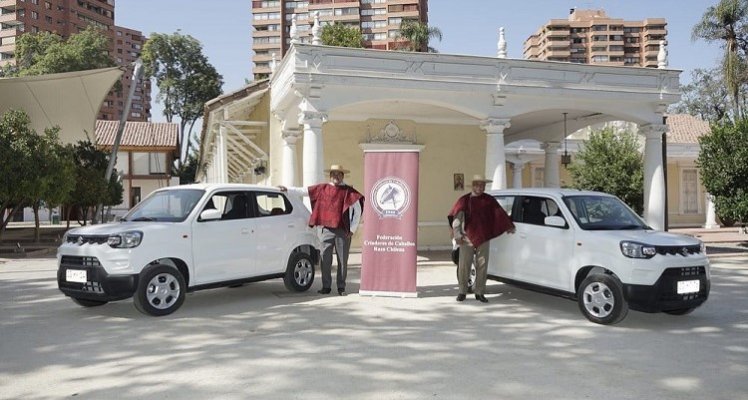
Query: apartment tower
[(591, 37), (65, 18), (378, 20)]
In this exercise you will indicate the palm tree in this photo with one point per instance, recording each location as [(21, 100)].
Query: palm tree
[(727, 22), (417, 35)]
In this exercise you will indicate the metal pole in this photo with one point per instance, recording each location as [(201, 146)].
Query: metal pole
[(136, 74)]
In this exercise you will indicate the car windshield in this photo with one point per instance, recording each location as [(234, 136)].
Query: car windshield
[(166, 206), (603, 213)]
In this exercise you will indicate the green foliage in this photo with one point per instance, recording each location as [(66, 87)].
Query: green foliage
[(185, 78), (187, 171), (416, 36), (41, 170), (610, 162), (706, 97), (727, 22), (47, 53), (91, 188), (723, 168), (342, 35)]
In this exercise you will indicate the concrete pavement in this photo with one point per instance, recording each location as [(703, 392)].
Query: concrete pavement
[(260, 341)]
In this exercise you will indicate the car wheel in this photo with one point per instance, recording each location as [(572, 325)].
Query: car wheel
[(161, 290), (601, 300), (299, 272), (680, 311), (88, 303)]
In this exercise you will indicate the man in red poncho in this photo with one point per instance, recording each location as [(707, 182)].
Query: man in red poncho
[(476, 218), (336, 212)]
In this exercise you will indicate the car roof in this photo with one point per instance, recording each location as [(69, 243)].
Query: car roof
[(214, 186), (557, 192)]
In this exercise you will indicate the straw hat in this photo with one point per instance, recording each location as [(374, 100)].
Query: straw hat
[(480, 178), (336, 168)]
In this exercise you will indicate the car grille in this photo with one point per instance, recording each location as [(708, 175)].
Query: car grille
[(77, 261), (87, 239), (679, 250), (671, 276)]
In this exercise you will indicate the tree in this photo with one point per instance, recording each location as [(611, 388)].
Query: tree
[(47, 53), (610, 161), (17, 143), (91, 187), (705, 97), (342, 35), (416, 36), (723, 168), (727, 22), (185, 79)]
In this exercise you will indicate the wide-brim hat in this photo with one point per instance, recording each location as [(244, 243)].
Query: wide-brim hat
[(336, 168), (480, 178)]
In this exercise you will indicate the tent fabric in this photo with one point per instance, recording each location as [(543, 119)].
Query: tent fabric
[(69, 100)]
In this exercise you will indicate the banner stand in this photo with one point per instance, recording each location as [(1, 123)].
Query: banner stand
[(388, 265)]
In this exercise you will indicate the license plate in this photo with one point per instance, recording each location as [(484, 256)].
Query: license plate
[(688, 286), (76, 275)]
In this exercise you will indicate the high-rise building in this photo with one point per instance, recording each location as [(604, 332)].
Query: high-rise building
[(378, 20), (65, 18), (591, 37), (127, 46)]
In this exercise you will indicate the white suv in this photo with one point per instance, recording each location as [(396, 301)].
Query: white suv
[(187, 238), (591, 247)]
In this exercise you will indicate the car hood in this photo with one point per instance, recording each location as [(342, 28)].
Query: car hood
[(655, 238), (115, 227)]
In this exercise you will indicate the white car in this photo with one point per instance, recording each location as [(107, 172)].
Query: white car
[(591, 247), (186, 238)]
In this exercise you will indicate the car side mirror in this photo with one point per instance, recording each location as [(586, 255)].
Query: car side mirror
[(556, 221), (210, 215)]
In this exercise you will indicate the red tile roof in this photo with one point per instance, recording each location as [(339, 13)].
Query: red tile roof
[(138, 134), (684, 128)]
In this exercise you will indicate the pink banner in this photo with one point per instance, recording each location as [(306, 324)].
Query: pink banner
[(390, 223)]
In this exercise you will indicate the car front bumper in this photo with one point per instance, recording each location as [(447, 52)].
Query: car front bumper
[(98, 285), (663, 294)]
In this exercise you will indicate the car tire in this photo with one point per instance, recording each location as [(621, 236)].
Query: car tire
[(161, 290), (680, 311), (299, 272), (601, 300), (88, 303)]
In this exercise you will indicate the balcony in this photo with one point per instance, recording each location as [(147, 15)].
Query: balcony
[(8, 4), (558, 32), (558, 52)]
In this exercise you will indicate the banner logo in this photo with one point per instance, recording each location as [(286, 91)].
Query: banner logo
[(390, 197)]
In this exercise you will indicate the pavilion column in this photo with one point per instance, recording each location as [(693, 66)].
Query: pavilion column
[(495, 157), (654, 176), (711, 214), (313, 150), (552, 173), (517, 169), (221, 154), (290, 137)]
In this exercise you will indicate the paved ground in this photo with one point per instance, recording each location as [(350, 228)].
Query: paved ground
[(259, 341)]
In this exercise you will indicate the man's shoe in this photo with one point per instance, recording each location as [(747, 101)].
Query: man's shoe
[(341, 292), (461, 297), (324, 291), (481, 298)]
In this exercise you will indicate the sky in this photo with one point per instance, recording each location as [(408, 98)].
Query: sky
[(224, 27)]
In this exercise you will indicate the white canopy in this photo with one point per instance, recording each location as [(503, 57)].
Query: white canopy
[(69, 100)]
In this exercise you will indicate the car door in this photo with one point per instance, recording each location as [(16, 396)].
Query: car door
[(545, 251), (274, 230), (222, 249), (504, 260)]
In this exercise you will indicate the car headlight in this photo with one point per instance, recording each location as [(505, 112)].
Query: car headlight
[(637, 250), (125, 240)]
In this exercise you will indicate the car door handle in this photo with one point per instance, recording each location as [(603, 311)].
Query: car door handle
[(245, 231), (523, 236), (291, 225)]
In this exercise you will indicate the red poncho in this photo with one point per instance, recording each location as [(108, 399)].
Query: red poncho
[(484, 217), (330, 202)]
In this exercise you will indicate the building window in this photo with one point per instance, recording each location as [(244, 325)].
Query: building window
[(689, 191), (538, 177), (346, 11), (599, 59), (266, 16), (34, 15)]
